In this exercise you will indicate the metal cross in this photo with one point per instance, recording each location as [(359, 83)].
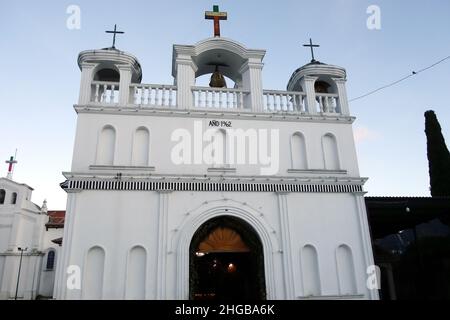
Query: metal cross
[(216, 15), (11, 162), (114, 37), (311, 45)]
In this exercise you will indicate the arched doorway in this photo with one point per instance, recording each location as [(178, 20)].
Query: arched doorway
[(226, 261)]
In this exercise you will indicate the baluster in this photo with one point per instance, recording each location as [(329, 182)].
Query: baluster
[(142, 97), (164, 96), (170, 96), (220, 104), (200, 98), (105, 88), (135, 94), (295, 106), (206, 105), (158, 96), (97, 88), (275, 102), (111, 98), (325, 104), (213, 99), (282, 102), (241, 100)]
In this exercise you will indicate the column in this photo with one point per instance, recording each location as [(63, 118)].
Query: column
[(60, 290), (162, 244), (307, 83), (124, 84), (365, 238), (286, 246), (252, 81), (185, 80), (87, 70), (342, 93)]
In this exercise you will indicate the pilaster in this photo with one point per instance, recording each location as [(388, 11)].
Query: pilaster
[(286, 245), (252, 82), (124, 85), (87, 70), (307, 84), (342, 93)]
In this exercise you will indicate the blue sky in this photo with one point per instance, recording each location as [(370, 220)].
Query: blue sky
[(40, 77)]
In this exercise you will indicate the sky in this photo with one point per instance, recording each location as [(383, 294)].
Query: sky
[(40, 79)]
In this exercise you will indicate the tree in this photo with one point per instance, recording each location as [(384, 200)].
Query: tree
[(438, 157)]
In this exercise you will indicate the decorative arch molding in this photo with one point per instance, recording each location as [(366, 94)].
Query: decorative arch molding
[(221, 43), (207, 212), (200, 55)]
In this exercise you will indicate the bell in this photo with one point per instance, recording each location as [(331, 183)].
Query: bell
[(321, 87), (217, 79)]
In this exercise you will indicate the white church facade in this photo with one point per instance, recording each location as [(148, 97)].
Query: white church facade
[(189, 192)]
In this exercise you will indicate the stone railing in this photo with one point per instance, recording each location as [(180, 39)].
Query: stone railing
[(165, 96), (154, 95), (327, 103), (218, 98), (284, 101), (104, 92)]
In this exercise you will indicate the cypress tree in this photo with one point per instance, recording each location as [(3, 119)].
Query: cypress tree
[(438, 157)]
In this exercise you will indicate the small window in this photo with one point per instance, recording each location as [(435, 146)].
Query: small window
[(2, 196), (50, 260), (14, 198)]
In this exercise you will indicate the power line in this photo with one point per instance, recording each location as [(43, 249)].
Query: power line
[(414, 73)]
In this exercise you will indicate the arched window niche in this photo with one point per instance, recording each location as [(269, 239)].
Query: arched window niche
[(141, 147), (106, 146), (298, 152), (330, 152)]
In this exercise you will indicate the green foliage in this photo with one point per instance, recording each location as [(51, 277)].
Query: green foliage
[(438, 157)]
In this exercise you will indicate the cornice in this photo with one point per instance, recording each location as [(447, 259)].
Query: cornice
[(211, 113)]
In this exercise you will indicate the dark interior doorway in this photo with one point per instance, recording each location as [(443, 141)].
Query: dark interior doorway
[(226, 261)]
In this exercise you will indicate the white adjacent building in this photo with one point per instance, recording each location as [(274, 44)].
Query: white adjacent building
[(26, 227), (188, 192)]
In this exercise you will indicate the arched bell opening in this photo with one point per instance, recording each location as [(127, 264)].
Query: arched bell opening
[(106, 79), (220, 65), (325, 84), (226, 261), (107, 74), (326, 94)]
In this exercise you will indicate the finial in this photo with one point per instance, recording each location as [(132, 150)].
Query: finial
[(311, 45), (216, 15), (11, 162), (114, 37), (44, 206)]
